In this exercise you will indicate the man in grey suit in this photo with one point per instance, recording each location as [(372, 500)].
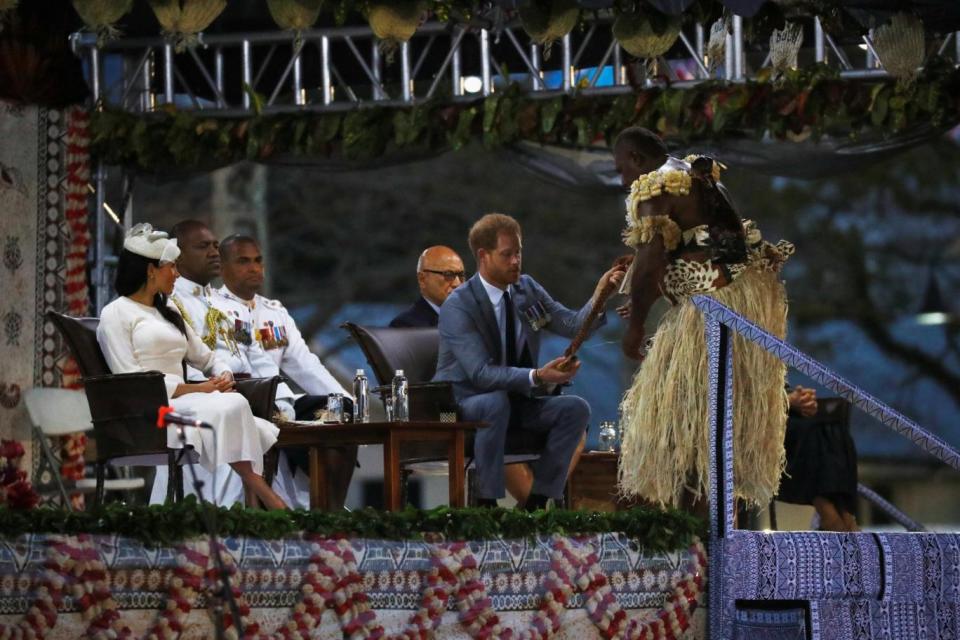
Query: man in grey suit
[(489, 347)]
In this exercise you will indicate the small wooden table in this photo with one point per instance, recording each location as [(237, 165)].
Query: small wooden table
[(316, 436), (593, 484)]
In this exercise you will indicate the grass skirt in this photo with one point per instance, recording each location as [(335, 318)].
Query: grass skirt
[(664, 416)]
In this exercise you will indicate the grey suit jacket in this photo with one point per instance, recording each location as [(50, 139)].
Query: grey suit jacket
[(470, 349)]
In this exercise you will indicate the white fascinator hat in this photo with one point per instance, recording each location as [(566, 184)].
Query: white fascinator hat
[(148, 242)]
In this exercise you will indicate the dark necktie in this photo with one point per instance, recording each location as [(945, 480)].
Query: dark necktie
[(510, 324)]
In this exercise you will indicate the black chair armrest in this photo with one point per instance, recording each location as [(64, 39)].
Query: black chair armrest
[(261, 393), (433, 401), (143, 376), (123, 408)]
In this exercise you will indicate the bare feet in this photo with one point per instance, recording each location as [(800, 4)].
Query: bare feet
[(850, 521), (831, 518)]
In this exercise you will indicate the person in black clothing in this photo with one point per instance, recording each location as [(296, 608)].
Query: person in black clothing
[(439, 272), (821, 463)]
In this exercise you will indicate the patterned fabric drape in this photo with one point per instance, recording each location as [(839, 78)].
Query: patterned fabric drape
[(44, 173)]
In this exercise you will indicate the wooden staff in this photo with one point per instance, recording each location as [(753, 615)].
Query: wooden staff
[(598, 305)]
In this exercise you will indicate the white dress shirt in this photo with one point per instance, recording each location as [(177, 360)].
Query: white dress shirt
[(495, 294)]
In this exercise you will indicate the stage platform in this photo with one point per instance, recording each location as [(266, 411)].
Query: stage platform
[(594, 586), (841, 586)]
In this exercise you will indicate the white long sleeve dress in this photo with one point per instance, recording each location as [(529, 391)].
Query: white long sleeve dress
[(136, 338)]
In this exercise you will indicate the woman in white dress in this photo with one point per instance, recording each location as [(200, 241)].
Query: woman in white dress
[(140, 331)]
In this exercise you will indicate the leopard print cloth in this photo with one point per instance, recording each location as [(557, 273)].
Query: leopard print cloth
[(686, 277)]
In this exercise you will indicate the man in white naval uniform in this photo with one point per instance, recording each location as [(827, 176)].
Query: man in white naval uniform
[(221, 330), (242, 273)]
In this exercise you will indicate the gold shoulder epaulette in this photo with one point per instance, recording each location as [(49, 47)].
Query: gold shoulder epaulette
[(216, 324), (183, 312)]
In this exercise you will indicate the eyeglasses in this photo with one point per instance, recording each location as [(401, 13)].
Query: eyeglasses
[(448, 275)]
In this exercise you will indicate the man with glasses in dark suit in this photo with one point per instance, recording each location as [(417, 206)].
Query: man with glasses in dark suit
[(439, 272)]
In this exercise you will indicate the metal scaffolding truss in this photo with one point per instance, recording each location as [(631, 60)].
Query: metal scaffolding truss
[(345, 67)]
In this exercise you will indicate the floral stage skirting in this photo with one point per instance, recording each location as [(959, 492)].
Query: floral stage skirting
[(596, 586)]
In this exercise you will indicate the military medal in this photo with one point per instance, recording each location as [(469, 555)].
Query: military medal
[(266, 338), (242, 333), (279, 337), (537, 316)]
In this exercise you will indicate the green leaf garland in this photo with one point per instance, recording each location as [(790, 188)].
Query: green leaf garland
[(804, 103), (169, 524)]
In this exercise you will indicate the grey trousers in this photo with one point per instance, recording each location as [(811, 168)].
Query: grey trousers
[(564, 418)]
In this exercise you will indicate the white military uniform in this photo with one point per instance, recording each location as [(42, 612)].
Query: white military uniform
[(210, 316), (220, 323), (240, 319), (279, 337)]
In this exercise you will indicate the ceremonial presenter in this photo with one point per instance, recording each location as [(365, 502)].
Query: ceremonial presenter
[(689, 240)]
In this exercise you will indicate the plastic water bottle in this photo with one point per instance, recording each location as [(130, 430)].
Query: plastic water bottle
[(398, 395), (361, 408)]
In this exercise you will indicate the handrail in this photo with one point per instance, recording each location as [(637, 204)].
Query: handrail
[(790, 355), (719, 323), (888, 508)]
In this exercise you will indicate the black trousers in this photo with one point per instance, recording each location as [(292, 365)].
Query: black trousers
[(339, 462)]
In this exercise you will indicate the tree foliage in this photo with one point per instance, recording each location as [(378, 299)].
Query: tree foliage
[(866, 244)]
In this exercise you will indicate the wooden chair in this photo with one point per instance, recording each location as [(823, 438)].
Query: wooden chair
[(122, 407)]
